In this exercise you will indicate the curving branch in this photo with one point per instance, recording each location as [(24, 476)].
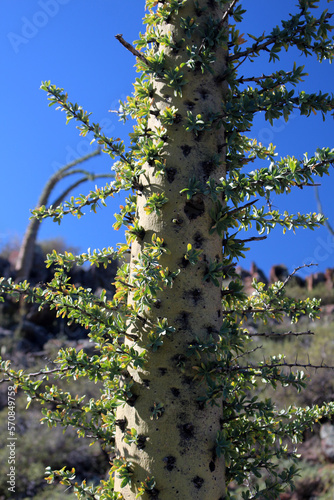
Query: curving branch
[(26, 252)]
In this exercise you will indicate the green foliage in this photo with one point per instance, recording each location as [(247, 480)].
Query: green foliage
[(155, 203), (147, 485), (192, 255)]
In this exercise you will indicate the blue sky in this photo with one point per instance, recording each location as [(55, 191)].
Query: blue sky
[(72, 43)]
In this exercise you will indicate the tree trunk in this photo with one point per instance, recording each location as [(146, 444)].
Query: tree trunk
[(177, 444)]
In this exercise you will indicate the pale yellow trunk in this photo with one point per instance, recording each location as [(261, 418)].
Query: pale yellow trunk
[(179, 447)]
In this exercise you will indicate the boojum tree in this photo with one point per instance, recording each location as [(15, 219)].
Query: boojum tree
[(25, 257), (177, 409)]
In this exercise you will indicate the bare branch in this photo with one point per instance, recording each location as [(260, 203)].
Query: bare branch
[(283, 364), (295, 271), (88, 177), (254, 238), (131, 49), (278, 334)]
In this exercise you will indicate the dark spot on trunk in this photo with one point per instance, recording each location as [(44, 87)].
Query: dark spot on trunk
[(146, 382), (178, 118), (186, 150), (132, 399), (162, 371), (219, 78), (200, 405), (198, 240), (175, 392), (187, 380), (141, 440), (157, 304), (212, 466), (190, 105), (220, 148), (183, 320), (211, 330), (219, 313), (170, 462), (203, 93), (170, 173), (208, 167), (194, 208), (184, 263), (153, 494), (121, 423), (195, 295), (198, 11), (199, 136), (212, 4), (198, 482), (186, 431)]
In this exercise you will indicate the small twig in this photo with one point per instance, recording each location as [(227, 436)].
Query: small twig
[(130, 48), (295, 271), (277, 334), (258, 79), (227, 13), (238, 209), (125, 283), (243, 354), (253, 238)]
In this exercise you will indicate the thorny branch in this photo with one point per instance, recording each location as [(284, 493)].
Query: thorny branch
[(278, 334), (283, 364), (39, 373), (295, 271)]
